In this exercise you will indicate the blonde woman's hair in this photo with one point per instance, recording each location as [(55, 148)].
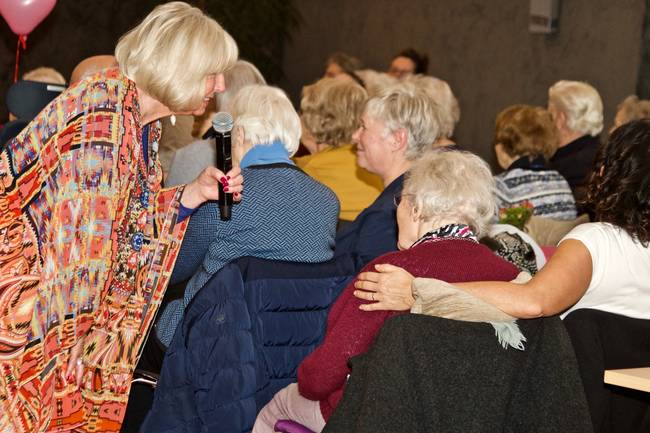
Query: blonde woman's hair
[(580, 103), (172, 51), (452, 185), (633, 108), (44, 74), (406, 106), (444, 97), (331, 108), (266, 115), (526, 130)]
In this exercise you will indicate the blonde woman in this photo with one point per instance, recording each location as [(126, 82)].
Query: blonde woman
[(93, 235), (330, 111)]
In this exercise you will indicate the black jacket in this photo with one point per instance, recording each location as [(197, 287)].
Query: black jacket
[(426, 374)]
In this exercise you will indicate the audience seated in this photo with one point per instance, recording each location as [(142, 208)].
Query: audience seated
[(446, 203), (194, 157), (408, 62), (449, 108), (397, 127), (330, 111), (286, 215), (524, 137), (577, 111), (601, 265), (632, 108)]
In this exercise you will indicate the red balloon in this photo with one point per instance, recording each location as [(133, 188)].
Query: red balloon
[(24, 15)]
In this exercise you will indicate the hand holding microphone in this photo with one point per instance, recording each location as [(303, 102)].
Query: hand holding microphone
[(222, 124), (203, 188)]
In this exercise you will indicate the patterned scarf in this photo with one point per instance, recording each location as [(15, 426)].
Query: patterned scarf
[(450, 231)]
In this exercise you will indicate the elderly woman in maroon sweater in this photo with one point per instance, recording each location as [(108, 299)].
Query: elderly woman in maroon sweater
[(446, 203)]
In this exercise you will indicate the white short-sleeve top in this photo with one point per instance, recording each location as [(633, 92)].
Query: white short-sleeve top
[(620, 280)]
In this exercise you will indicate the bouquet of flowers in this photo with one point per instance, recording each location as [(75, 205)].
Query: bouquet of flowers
[(516, 215)]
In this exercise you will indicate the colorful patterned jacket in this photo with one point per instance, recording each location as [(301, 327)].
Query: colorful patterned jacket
[(88, 240)]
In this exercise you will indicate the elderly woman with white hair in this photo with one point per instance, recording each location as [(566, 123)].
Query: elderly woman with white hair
[(286, 214), (93, 235), (446, 204), (397, 127), (577, 110), (449, 107)]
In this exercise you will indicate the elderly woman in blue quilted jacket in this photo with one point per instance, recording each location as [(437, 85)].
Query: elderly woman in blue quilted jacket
[(285, 215)]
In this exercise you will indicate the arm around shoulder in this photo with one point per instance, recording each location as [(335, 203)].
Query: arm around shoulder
[(558, 286)]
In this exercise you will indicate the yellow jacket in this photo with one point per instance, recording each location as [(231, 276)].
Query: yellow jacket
[(337, 168)]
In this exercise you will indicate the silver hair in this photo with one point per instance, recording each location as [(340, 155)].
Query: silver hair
[(580, 103), (444, 184), (266, 115), (405, 106)]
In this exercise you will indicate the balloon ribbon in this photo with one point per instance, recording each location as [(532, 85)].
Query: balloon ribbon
[(22, 41)]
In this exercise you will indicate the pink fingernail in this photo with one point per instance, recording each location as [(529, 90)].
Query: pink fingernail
[(225, 189), (223, 180)]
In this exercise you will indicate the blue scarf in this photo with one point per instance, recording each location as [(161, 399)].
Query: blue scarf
[(261, 154)]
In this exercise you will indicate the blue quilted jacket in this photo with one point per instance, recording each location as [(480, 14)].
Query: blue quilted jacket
[(241, 340)]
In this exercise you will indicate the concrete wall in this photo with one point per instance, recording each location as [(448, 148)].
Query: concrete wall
[(482, 48)]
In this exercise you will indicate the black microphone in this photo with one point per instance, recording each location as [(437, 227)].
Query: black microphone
[(222, 123)]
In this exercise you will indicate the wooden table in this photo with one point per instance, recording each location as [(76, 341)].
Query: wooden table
[(634, 378)]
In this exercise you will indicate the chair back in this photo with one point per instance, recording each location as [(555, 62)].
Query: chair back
[(604, 341)]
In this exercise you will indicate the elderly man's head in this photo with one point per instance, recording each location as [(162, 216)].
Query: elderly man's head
[(576, 108), (445, 187), (90, 66)]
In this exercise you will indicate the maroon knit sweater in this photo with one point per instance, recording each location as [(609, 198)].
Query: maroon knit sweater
[(350, 331)]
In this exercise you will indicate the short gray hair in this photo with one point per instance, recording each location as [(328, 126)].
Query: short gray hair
[(580, 103), (444, 184), (406, 106), (266, 115), (444, 97)]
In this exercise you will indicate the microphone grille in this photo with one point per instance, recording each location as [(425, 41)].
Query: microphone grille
[(222, 122)]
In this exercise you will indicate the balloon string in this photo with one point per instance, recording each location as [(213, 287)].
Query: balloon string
[(22, 42)]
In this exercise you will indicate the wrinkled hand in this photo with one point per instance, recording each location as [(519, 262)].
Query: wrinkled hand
[(75, 369), (206, 186), (389, 288)]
